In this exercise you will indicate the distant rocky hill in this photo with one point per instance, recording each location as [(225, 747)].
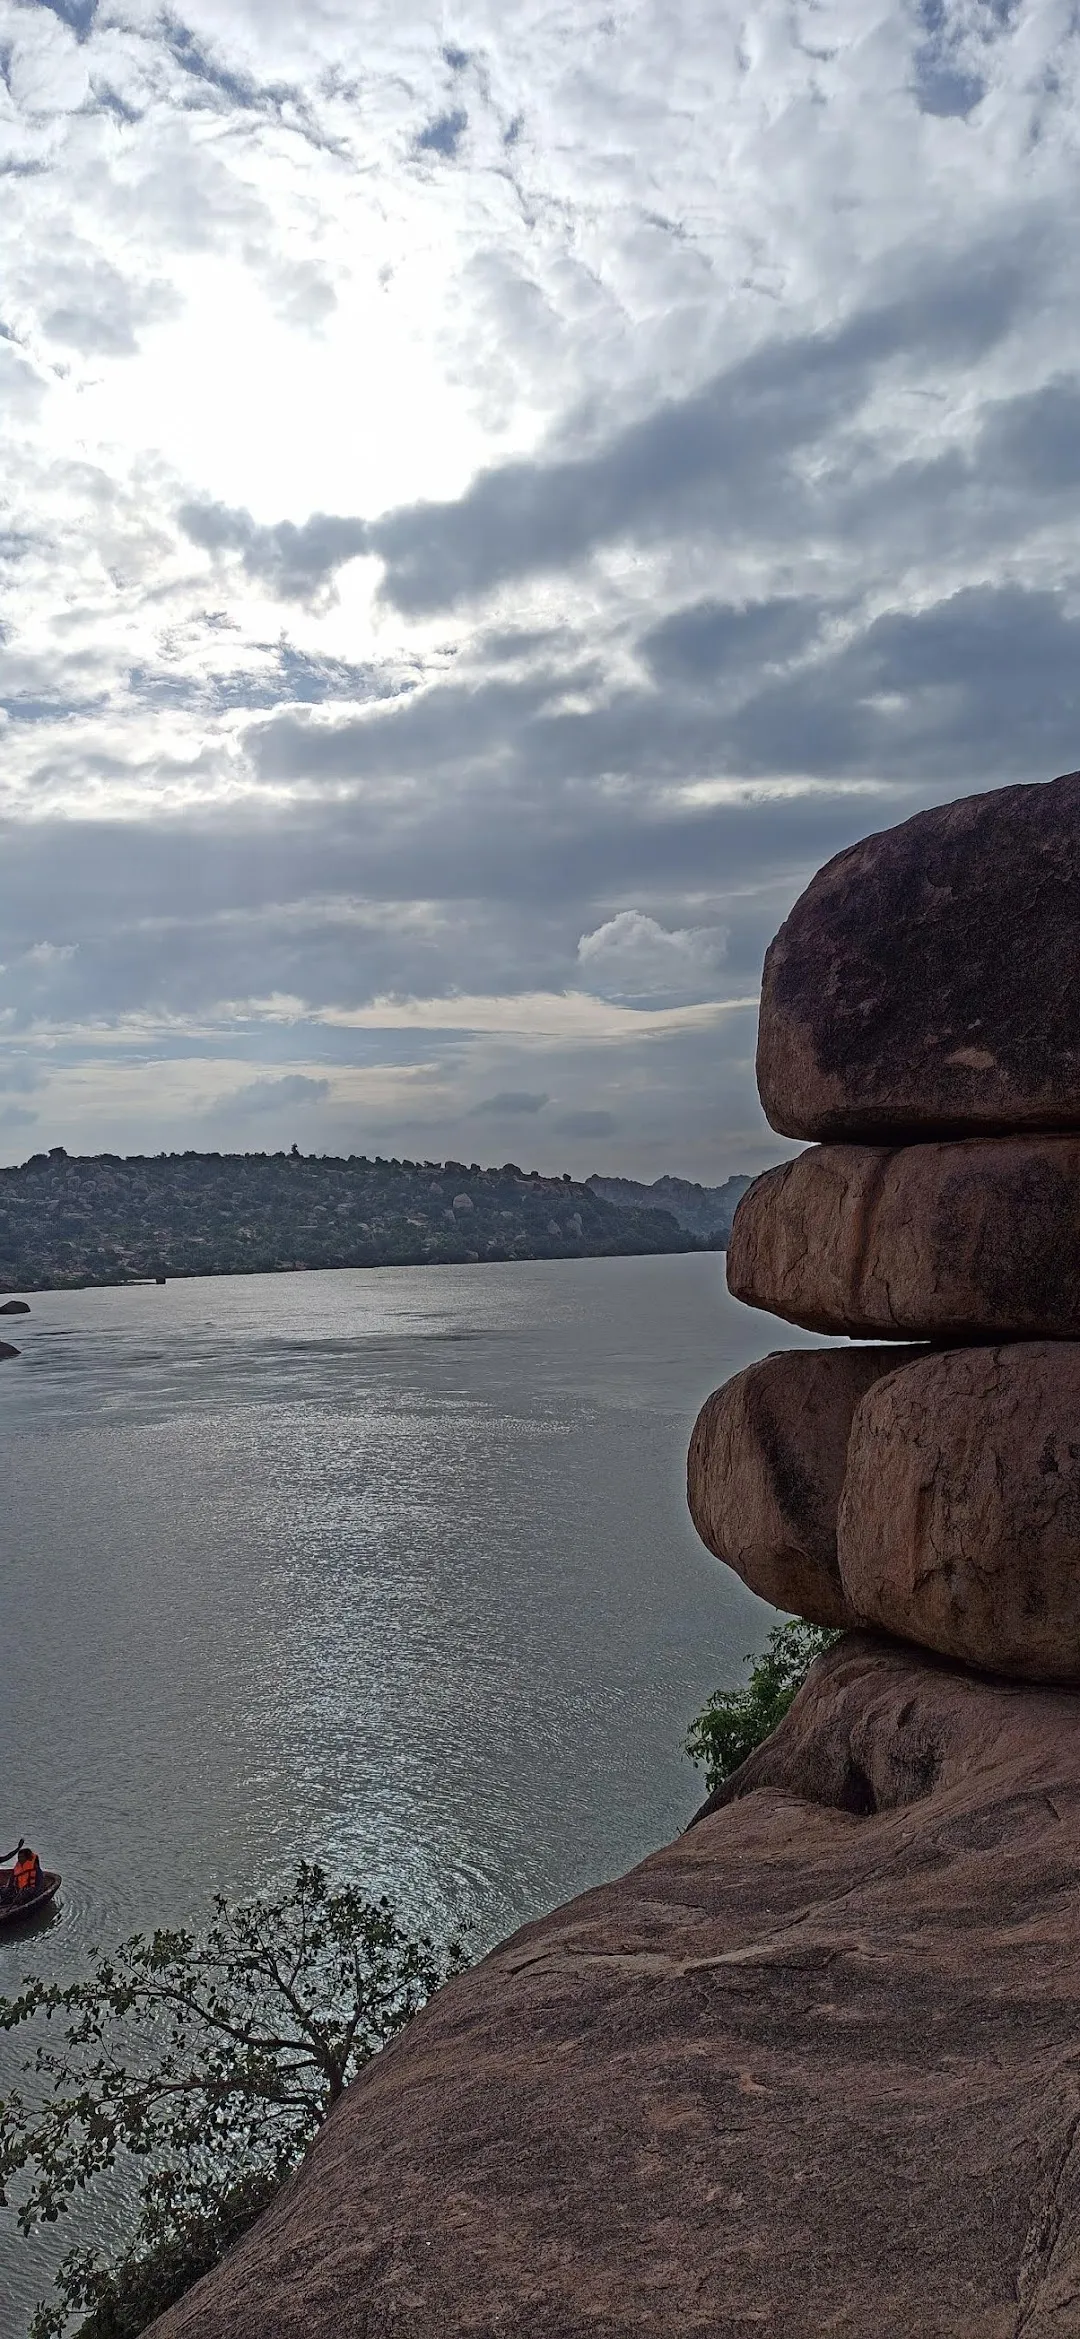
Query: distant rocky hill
[(703, 1210), (69, 1220)]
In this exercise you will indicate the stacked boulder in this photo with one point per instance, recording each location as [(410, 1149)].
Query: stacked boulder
[(920, 1023)]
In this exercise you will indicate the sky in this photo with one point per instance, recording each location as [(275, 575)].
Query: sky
[(491, 497)]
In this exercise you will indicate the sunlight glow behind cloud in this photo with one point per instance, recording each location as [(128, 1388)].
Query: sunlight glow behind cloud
[(486, 504)]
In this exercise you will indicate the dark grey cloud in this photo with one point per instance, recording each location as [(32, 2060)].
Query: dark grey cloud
[(515, 741), (982, 686), (271, 1096), (294, 561), (978, 687), (176, 915), (697, 644), (1033, 442), (445, 726), (508, 647), (968, 506), (444, 135), (721, 458), (586, 1125), (511, 1102)]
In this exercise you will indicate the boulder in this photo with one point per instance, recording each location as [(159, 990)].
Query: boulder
[(6, 1350), (927, 983), (766, 1466), (810, 2069), (15, 1307), (959, 1522), (946, 1241)]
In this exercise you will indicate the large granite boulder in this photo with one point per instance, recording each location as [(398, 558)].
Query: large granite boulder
[(927, 983), (766, 1466), (7, 1350), (946, 1241), (811, 2069), (959, 1522), (15, 1307)]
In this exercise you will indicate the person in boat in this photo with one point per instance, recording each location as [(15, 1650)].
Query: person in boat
[(27, 1872), (25, 1878)]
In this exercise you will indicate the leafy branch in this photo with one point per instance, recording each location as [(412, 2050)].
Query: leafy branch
[(736, 1720), (207, 2063)]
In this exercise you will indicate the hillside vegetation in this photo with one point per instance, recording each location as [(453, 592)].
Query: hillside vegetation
[(702, 1210), (68, 1220)]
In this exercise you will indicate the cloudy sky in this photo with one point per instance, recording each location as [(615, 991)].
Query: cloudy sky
[(490, 497)]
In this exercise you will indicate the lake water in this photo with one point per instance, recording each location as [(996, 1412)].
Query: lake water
[(389, 1567)]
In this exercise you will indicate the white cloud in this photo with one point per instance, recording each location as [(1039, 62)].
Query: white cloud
[(535, 1017), (631, 956), (624, 456), (49, 954)]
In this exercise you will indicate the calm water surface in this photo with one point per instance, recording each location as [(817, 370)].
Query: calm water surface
[(391, 1566)]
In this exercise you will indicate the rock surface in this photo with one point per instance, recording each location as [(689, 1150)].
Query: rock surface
[(946, 1241), (15, 1307), (805, 2071), (6, 1350), (766, 1466), (959, 1521), (928, 980)]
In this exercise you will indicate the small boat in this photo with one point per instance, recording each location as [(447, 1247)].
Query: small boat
[(28, 1904)]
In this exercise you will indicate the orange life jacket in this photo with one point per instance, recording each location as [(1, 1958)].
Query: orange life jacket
[(26, 1871)]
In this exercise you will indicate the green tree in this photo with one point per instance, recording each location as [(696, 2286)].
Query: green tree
[(736, 1720), (205, 2064)]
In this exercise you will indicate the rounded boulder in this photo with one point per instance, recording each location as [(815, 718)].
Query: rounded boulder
[(948, 1241), (766, 1468), (959, 1521), (927, 983)]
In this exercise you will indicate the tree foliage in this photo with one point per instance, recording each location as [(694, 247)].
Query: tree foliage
[(72, 1220), (736, 1720), (206, 2064)]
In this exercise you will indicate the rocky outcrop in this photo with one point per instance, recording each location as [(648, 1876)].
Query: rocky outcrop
[(948, 1241), (811, 2069), (766, 1467), (959, 1520), (15, 1307), (892, 1003), (927, 983), (7, 1350)]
